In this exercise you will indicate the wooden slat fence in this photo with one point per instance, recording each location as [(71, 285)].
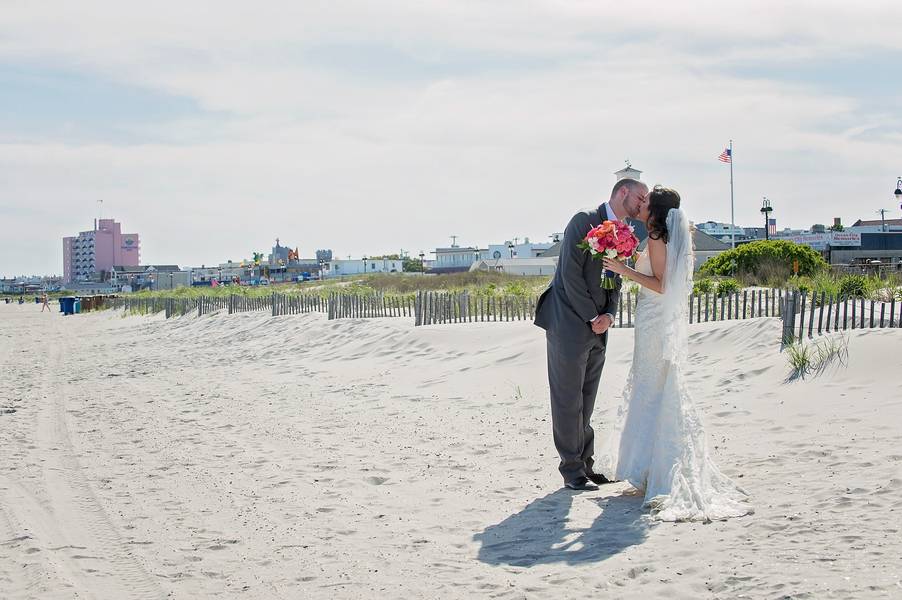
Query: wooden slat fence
[(806, 315), (803, 314), (367, 306), (461, 307)]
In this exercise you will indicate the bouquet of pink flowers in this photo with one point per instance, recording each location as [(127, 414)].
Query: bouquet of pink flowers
[(611, 239)]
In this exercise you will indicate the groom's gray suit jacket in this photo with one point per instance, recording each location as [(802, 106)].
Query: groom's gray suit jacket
[(575, 354), (575, 295)]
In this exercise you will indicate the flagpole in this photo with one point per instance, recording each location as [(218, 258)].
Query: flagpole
[(732, 210)]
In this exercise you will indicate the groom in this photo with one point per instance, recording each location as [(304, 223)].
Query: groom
[(575, 313)]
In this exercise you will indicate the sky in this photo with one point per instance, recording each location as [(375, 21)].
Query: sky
[(212, 128)]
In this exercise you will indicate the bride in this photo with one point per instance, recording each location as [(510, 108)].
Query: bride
[(658, 444)]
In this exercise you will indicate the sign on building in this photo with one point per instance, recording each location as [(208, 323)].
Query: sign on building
[(845, 238), (820, 241)]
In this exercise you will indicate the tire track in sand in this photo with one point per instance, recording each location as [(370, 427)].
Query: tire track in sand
[(63, 516)]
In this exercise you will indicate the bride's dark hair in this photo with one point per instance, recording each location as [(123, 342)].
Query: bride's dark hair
[(660, 201)]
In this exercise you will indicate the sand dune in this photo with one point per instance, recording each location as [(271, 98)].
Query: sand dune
[(295, 457)]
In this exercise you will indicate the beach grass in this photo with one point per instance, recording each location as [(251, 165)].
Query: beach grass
[(392, 285)]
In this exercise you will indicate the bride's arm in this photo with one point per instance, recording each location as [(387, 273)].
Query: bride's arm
[(657, 255)]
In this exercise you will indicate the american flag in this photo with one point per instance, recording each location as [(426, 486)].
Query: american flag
[(772, 226), (726, 156)]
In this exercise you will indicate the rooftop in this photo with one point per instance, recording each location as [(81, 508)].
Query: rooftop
[(878, 222)]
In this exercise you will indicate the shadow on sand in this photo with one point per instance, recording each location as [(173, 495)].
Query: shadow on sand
[(539, 535)]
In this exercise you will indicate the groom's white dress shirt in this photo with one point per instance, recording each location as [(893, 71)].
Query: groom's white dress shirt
[(609, 216)]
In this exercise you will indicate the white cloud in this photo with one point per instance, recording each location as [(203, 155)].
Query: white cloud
[(327, 156)]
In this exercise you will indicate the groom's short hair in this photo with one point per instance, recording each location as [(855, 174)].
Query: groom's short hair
[(625, 182)]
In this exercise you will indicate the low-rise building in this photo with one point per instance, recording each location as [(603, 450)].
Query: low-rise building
[(515, 249), (724, 232), (876, 226), (134, 278), (706, 247), (517, 266), (876, 250), (454, 259), (342, 268)]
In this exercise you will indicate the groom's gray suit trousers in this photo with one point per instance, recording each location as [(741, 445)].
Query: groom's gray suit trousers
[(574, 370)]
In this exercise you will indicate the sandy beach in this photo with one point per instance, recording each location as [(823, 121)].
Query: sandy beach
[(293, 457)]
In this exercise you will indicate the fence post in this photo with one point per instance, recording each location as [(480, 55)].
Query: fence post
[(416, 308), (892, 311), (788, 312), (802, 315), (811, 315), (829, 312)]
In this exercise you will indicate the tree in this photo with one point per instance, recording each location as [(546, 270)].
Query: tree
[(412, 265), (837, 227)]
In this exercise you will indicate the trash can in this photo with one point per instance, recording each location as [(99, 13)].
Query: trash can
[(77, 306), (67, 305)]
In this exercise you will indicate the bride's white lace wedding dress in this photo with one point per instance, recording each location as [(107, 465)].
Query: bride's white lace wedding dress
[(657, 442)]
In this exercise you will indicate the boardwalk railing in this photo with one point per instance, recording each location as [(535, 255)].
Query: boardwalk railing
[(809, 314)]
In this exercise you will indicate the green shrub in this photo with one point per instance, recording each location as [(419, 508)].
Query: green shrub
[(855, 286), (703, 286), (762, 262), (725, 287)]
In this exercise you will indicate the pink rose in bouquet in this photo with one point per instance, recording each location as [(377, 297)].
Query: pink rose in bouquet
[(611, 239)]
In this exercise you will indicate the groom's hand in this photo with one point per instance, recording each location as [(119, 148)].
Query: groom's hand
[(601, 323)]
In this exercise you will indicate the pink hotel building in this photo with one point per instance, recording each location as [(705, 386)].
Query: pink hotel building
[(99, 250)]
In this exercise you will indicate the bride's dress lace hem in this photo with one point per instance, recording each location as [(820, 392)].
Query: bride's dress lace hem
[(656, 440)]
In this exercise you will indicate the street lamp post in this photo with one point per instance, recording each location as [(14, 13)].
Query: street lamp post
[(898, 192), (364, 265), (422, 264), (510, 246), (766, 210)]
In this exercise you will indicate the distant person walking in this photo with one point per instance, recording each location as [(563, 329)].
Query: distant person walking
[(45, 303)]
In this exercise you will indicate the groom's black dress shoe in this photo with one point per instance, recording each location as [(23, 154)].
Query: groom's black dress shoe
[(581, 483), (598, 478)]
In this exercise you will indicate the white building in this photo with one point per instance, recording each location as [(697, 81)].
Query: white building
[(628, 172), (518, 266), (508, 249), (223, 272), (454, 259), (722, 231), (340, 268), (876, 226)]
